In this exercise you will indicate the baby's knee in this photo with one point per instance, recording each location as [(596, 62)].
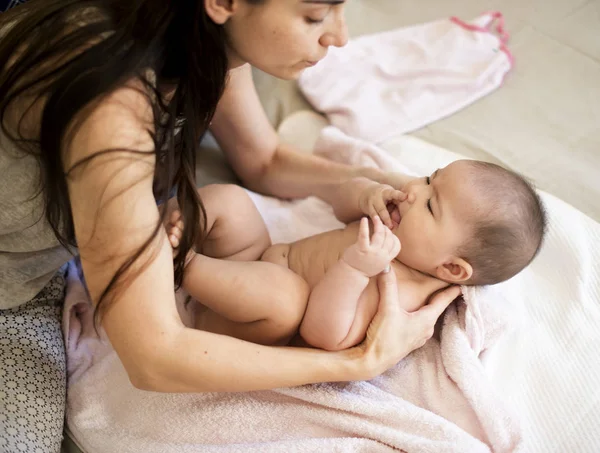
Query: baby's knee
[(224, 197), (287, 314)]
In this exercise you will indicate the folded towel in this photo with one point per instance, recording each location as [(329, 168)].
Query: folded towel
[(395, 82)]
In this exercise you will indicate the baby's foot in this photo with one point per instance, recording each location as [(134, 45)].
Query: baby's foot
[(174, 227)]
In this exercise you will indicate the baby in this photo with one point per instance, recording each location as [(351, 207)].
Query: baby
[(470, 223)]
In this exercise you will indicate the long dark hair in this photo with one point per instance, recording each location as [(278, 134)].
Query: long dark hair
[(101, 44)]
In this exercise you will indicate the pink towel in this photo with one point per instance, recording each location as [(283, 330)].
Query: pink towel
[(438, 399), (398, 81)]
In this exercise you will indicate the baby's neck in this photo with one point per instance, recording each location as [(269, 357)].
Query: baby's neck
[(433, 283)]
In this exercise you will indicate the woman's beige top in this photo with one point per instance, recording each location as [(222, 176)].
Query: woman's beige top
[(30, 253)]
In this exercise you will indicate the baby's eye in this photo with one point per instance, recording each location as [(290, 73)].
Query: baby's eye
[(427, 180), (429, 206)]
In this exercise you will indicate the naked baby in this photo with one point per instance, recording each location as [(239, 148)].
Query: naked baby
[(470, 223)]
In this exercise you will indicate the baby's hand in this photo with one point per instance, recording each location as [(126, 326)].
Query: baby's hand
[(381, 200), (371, 255)]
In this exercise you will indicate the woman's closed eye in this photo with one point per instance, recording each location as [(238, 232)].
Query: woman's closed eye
[(314, 20), (317, 15)]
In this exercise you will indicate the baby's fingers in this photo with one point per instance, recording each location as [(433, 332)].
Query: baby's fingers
[(392, 244), (363, 234), (392, 194), (378, 238), (381, 210)]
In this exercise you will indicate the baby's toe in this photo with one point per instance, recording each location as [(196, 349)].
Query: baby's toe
[(174, 240)]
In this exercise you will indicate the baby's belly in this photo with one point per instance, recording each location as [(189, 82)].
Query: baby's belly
[(310, 258), (311, 267)]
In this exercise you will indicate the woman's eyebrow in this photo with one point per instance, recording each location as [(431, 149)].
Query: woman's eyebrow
[(328, 2)]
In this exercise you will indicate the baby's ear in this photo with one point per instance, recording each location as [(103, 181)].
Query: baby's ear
[(455, 270)]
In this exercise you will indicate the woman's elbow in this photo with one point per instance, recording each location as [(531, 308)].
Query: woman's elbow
[(146, 369), (142, 377)]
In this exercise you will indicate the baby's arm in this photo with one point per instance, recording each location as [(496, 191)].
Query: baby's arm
[(332, 305)]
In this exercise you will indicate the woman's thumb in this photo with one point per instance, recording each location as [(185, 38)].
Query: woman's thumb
[(440, 302), (388, 290)]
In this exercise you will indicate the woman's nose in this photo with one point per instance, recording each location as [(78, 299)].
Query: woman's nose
[(338, 34)]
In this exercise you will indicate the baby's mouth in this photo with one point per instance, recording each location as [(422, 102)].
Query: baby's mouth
[(394, 215)]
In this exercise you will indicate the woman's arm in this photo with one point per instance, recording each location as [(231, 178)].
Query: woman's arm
[(114, 212), (265, 165)]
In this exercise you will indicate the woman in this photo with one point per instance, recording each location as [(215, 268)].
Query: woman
[(103, 104)]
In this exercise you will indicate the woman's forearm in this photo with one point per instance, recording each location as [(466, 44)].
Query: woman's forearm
[(332, 306), (292, 174), (197, 361)]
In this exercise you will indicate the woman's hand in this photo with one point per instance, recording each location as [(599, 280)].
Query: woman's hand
[(395, 333)]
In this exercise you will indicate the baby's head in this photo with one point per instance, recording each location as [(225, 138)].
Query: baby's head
[(472, 223)]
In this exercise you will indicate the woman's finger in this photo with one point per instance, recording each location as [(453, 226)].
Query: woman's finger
[(432, 311), (388, 292)]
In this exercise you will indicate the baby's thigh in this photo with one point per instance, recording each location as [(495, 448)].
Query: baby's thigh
[(235, 228)]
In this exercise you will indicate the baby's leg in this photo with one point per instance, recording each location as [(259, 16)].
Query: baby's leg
[(235, 229), (265, 302)]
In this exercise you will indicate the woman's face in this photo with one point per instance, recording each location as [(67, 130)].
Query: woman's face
[(284, 37)]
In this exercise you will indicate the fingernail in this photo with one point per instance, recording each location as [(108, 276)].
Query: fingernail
[(387, 269)]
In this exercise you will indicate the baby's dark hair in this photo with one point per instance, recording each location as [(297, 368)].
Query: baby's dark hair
[(509, 227)]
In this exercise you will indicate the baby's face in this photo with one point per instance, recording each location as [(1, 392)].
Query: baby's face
[(433, 222)]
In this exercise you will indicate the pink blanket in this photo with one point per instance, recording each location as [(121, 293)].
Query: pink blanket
[(391, 83), (438, 399)]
